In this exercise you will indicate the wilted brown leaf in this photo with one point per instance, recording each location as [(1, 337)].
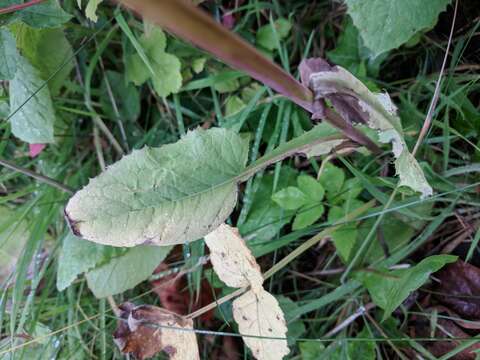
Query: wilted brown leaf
[(459, 289), (146, 330)]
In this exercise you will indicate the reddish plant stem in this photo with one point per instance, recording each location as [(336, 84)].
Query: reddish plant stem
[(17, 7)]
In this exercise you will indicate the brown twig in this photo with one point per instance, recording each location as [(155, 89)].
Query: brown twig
[(17, 7)]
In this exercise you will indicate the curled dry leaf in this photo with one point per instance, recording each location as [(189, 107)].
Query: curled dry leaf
[(357, 104), (231, 258), (146, 330), (459, 288), (259, 315)]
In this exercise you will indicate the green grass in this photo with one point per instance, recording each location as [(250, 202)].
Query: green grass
[(39, 322)]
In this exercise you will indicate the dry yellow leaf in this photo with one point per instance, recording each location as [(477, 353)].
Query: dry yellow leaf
[(232, 260), (258, 314)]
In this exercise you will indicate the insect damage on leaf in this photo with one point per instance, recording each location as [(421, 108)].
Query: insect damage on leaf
[(146, 330), (358, 105), (257, 312), (232, 259), (162, 196), (260, 320)]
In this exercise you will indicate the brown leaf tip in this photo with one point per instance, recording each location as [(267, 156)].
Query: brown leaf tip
[(72, 224)]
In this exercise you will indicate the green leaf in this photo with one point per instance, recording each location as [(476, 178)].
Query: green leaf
[(179, 192), (266, 37), (91, 9), (266, 218), (332, 179), (33, 122), (77, 256), (234, 105), (168, 195), (307, 215), (390, 288), (126, 271), (387, 24), (290, 198), (48, 51), (351, 189), (311, 188), (311, 350), (47, 14), (166, 77), (346, 53), (13, 236), (8, 54), (125, 95)]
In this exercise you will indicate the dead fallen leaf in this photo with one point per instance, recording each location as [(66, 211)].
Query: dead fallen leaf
[(146, 330), (258, 314), (460, 288), (232, 260)]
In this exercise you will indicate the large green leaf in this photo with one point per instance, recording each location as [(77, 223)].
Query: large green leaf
[(387, 24), (48, 50), (8, 54), (176, 193), (34, 117), (126, 271), (389, 289), (169, 195)]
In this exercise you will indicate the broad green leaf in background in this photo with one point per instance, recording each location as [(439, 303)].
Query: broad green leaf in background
[(266, 218), (311, 188), (332, 179), (343, 350), (8, 54), (168, 195), (126, 271), (48, 50), (33, 122), (290, 198), (13, 236), (233, 105), (126, 97), (167, 77), (307, 215), (306, 199), (46, 14), (77, 256), (266, 34), (390, 288), (387, 24)]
